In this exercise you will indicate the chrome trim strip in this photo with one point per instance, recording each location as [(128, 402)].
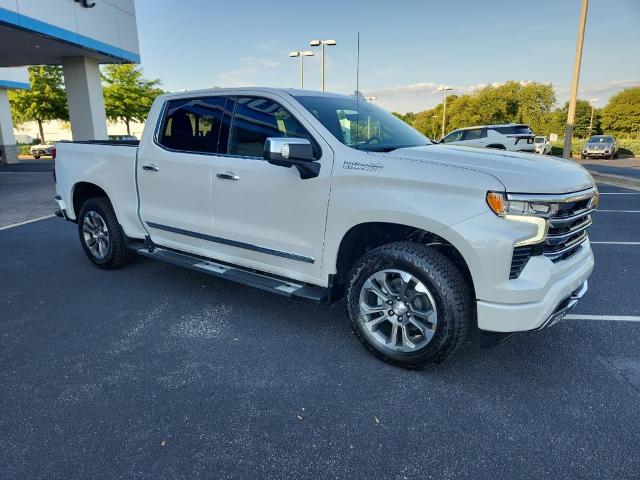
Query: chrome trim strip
[(232, 243), (569, 246), (555, 239), (553, 198), (559, 221)]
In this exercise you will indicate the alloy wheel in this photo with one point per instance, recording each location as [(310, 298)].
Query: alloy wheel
[(96, 235), (397, 311)]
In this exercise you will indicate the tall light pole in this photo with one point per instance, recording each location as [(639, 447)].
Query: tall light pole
[(444, 89), (369, 99), (571, 115), (322, 43), (306, 53), (592, 108)]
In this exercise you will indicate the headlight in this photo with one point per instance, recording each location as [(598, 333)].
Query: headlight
[(533, 212), (501, 206)]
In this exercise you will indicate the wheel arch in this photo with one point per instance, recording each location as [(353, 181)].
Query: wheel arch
[(83, 191), (366, 236)]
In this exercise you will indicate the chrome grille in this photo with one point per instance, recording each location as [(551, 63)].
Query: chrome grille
[(567, 231)]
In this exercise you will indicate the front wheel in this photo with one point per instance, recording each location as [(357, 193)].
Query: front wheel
[(409, 304), (101, 236), (36, 157)]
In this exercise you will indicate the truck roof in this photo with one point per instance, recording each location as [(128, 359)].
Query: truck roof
[(244, 90), (495, 126)]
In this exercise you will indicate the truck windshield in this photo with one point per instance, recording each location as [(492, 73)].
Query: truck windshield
[(363, 126)]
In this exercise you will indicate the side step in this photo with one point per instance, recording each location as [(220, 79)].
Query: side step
[(246, 277)]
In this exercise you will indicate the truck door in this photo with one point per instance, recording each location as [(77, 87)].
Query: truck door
[(175, 172), (267, 217)]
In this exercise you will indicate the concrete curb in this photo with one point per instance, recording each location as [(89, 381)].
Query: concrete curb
[(617, 180)]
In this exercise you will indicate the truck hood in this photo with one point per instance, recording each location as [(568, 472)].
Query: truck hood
[(518, 172)]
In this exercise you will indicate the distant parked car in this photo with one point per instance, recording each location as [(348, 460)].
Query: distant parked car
[(600, 146), (42, 150), (542, 145), (514, 137)]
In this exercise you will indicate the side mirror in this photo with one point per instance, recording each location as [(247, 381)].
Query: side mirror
[(292, 152)]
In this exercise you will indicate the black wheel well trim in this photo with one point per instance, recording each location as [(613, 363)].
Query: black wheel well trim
[(499, 146), (83, 191), (364, 237)]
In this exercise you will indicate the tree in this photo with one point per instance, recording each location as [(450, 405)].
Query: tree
[(127, 95), (44, 101), (622, 114), (582, 119)]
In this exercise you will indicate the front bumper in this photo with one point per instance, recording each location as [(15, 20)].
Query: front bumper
[(565, 306), (597, 153), (561, 293)]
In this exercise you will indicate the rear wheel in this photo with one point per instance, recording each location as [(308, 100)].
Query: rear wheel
[(409, 305), (101, 236), (36, 157)]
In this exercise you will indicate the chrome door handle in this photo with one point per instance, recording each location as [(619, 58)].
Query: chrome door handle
[(152, 167), (228, 176)]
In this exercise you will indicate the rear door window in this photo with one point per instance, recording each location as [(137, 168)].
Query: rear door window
[(193, 124), (472, 134)]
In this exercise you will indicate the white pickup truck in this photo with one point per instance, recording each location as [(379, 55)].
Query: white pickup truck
[(319, 196)]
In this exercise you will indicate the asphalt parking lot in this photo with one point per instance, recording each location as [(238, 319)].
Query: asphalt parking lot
[(154, 371)]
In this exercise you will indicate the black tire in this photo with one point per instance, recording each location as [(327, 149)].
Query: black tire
[(117, 253), (36, 157), (449, 288), (497, 147)]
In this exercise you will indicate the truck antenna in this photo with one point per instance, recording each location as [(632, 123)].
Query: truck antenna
[(357, 92)]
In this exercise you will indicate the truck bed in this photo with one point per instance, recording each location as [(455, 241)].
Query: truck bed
[(109, 164)]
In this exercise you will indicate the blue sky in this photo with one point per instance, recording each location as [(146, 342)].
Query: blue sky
[(408, 47)]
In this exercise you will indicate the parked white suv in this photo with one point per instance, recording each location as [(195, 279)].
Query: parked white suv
[(317, 196), (514, 137)]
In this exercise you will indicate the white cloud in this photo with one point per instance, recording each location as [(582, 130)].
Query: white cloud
[(249, 73)]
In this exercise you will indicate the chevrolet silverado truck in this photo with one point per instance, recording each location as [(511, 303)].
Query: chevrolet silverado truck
[(322, 196)]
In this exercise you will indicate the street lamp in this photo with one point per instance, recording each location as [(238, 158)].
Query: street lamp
[(306, 53), (322, 43), (369, 99), (592, 108), (444, 89)]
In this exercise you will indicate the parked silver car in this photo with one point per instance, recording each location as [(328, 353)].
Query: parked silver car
[(600, 146)]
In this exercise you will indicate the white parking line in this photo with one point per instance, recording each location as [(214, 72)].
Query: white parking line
[(606, 318), (13, 225), (614, 243), (619, 193)]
